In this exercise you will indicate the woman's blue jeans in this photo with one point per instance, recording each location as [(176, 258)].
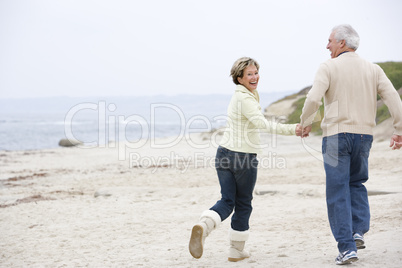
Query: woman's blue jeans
[(237, 173), (346, 167)]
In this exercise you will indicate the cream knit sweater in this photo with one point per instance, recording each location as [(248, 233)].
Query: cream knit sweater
[(349, 86), (244, 121)]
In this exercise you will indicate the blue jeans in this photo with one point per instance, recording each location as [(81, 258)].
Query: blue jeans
[(237, 173), (346, 167)]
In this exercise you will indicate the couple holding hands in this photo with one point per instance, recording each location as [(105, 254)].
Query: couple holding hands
[(349, 86)]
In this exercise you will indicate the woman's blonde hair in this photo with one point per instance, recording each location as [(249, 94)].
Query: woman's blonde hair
[(239, 66)]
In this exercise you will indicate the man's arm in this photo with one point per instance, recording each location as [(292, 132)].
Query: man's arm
[(315, 95), (391, 99)]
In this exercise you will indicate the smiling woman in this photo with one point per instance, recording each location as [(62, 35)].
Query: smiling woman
[(250, 78), (236, 162), (245, 72), (244, 68)]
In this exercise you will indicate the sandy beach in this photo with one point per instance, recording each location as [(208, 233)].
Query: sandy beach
[(125, 207)]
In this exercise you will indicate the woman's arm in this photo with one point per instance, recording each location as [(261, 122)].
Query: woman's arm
[(250, 109)]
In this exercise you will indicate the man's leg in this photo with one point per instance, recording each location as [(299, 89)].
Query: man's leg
[(358, 176), (336, 152)]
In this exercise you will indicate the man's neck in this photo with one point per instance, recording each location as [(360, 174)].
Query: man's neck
[(345, 51)]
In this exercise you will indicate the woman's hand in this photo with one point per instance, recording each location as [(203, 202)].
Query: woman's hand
[(299, 130)]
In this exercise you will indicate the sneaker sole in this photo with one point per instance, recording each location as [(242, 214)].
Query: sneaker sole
[(236, 259), (348, 261), (195, 245), (360, 244)]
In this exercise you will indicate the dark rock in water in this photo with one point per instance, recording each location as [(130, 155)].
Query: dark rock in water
[(69, 143)]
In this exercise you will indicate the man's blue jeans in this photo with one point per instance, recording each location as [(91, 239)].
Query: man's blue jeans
[(237, 173), (346, 167)]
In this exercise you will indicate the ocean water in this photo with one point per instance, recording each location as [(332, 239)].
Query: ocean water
[(31, 124)]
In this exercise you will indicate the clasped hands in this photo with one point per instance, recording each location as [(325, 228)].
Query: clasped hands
[(395, 143), (302, 132)]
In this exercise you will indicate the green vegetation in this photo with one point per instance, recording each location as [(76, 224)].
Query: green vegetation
[(393, 70), (294, 117), (383, 113)]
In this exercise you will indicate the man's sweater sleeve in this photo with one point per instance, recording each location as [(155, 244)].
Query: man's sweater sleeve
[(315, 95), (391, 99)]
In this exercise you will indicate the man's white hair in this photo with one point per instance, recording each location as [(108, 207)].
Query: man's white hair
[(347, 33)]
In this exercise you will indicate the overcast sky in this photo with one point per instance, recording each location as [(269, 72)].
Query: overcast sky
[(131, 48)]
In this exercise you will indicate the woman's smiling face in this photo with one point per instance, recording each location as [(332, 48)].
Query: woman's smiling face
[(250, 78)]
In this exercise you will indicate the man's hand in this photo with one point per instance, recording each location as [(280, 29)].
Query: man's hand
[(396, 142), (306, 131), (302, 132)]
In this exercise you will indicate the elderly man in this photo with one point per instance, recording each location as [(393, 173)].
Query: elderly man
[(349, 86)]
